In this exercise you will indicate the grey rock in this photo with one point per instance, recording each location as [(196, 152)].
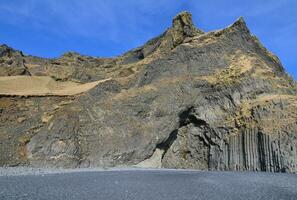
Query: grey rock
[(185, 99)]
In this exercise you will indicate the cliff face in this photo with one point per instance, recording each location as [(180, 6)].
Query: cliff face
[(185, 99)]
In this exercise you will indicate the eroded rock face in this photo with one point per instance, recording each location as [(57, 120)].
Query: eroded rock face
[(11, 62), (185, 99)]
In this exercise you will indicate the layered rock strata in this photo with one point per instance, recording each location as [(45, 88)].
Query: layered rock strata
[(186, 99)]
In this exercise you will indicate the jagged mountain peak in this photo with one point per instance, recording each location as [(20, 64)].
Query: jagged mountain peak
[(185, 99), (6, 50), (185, 16), (182, 29), (183, 22), (240, 25)]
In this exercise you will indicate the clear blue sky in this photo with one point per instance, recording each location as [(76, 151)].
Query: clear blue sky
[(48, 28)]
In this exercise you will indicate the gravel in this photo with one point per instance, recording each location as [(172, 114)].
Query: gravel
[(133, 184)]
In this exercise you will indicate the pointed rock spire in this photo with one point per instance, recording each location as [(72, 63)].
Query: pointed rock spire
[(240, 24), (182, 28), (183, 22)]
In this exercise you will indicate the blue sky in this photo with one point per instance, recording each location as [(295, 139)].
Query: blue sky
[(106, 28)]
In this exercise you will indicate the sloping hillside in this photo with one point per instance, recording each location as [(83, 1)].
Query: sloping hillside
[(186, 99), (42, 86)]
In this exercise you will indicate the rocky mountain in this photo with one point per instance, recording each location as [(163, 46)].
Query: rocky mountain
[(186, 99)]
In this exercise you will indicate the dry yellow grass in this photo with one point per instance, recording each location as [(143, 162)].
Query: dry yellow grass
[(279, 117), (240, 65), (42, 86)]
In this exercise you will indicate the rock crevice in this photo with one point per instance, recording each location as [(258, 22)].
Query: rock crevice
[(185, 99)]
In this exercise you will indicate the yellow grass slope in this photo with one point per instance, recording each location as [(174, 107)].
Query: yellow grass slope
[(42, 86)]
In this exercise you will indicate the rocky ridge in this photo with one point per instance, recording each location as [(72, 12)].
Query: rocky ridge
[(186, 99)]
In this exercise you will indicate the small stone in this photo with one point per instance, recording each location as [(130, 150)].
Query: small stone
[(21, 119)]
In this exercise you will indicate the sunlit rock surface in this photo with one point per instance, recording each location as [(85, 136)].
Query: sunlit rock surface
[(185, 99)]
